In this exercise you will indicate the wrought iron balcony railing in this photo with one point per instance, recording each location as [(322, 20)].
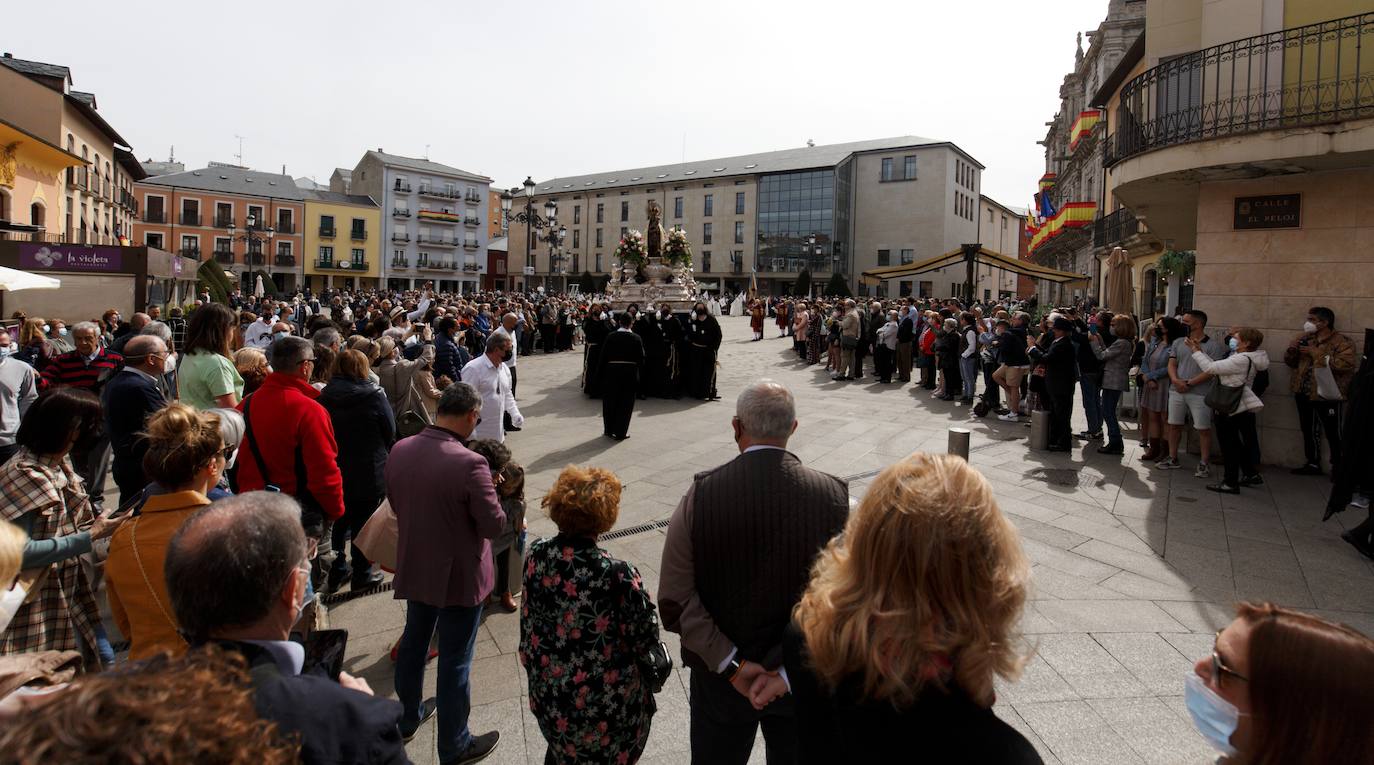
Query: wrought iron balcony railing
[(1111, 230), (1299, 77)]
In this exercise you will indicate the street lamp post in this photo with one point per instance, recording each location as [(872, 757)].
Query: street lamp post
[(533, 222), (249, 239)]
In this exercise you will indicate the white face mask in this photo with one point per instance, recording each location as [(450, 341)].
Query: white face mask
[(603, 315), (10, 602), (46, 329), (1307, 327)]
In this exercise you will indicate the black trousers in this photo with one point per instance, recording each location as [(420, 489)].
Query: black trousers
[(1316, 417), (619, 386), (882, 362), (1061, 412), (128, 476), (1239, 445), (548, 337), (724, 724), (505, 418), (991, 390)]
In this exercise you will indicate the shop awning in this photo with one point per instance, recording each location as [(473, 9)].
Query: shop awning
[(984, 257)]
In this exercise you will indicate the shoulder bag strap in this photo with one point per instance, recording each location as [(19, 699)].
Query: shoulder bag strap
[(253, 443), (133, 545)]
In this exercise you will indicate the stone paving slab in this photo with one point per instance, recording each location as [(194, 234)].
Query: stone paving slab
[(1133, 568)]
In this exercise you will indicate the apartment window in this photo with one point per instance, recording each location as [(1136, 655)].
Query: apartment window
[(286, 220), (705, 261), (739, 232), (677, 207), (904, 289), (600, 212), (255, 212), (884, 257), (224, 214), (450, 190), (708, 206), (577, 263), (284, 249), (887, 169), (190, 212), (255, 246), (909, 167), (326, 225), (624, 211), (599, 242), (739, 202), (224, 244), (398, 256), (359, 228), (190, 243), (577, 214), (153, 240), (1004, 223), (907, 257), (358, 255), (926, 289), (706, 232), (577, 239), (598, 262)]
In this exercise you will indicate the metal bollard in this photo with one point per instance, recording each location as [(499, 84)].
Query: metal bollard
[(958, 442), (1040, 430)]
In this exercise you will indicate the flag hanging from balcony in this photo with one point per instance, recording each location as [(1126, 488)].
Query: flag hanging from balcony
[(1044, 205)]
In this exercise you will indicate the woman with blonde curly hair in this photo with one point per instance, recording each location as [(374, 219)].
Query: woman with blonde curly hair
[(586, 622), (252, 366), (909, 616)]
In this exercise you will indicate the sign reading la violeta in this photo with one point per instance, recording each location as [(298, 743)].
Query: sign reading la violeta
[(56, 257)]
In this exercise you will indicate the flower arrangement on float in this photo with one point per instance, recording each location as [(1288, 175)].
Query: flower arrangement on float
[(677, 250), (631, 249)]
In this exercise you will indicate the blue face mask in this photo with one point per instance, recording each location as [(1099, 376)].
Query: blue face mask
[(1234, 343), (280, 335), (1214, 717)]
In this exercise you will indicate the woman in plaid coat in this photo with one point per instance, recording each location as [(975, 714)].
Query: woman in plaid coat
[(42, 494)]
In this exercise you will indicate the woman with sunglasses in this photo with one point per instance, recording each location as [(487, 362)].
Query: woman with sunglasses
[(1283, 687), (186, 456)]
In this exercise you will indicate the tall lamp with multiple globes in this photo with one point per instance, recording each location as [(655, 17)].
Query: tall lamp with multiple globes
[(249, 238), (529, 218)]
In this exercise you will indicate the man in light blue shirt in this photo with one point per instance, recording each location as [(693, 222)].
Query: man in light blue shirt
[(18, 389)]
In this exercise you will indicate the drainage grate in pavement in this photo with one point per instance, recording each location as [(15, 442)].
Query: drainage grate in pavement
[(335, 598), (630, 531)]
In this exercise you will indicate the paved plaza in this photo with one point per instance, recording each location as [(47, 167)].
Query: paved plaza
[(1134, 568)]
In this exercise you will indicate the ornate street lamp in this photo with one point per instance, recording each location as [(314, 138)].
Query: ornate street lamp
[(533, 222), (249, 238)]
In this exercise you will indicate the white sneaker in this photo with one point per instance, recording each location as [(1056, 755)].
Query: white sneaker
[(1361, 501), (1009, 417), (1168, 463), (1203, 471)]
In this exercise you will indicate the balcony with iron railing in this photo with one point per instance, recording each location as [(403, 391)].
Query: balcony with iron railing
[(472, 221), (344, 265), (358, 235), (224, 257), (1293, 78), (78, 178), (255, 259), (328, 232), (400, 212), (436, 265), (189, 252), (155, 216), (224, 221), (400, 262), (285, 227), (433, 191), (401, 238), (189, 219), (470, 244), (402, 188), (436, 240), (1114, 229), (284, 261)]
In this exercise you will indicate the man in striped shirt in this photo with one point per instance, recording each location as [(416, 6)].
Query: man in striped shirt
[(87, 368)]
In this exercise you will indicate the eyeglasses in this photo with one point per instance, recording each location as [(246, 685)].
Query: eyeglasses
[(1219, 668)]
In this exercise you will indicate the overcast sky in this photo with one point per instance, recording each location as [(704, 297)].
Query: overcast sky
[(548, 88)]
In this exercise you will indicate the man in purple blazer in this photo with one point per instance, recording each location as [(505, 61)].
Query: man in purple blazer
[(446, 511)]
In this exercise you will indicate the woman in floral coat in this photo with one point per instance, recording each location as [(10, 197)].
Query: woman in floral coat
[(585, 623)]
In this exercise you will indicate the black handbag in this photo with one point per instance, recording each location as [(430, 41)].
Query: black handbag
[(1224, 399), (656, 666)]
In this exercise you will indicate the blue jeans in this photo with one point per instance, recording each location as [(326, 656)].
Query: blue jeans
[(457, 638), (1110, 398), (968, 370), (1091, 385)]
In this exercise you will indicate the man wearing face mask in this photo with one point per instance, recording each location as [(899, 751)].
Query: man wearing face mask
[(18, 389), (236, 576), (703, 343), (1319, 345), (60, 337), (129, 400)]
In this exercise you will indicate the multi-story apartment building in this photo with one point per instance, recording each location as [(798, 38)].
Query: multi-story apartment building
[(434, 220), (840, 208), (343, 241), (1000, 229), (248, 221), (1073, 156), (31, 174), (95, 203), (1244, 133), (496, 222)]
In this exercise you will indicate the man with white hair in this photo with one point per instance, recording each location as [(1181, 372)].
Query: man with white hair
[(128, 400), (731, 604), (507, 328)]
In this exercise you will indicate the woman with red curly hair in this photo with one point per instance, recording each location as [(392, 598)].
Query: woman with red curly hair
[(586, 621)]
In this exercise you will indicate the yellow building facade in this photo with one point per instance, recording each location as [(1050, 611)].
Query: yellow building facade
[(30, 180), (343, 247)]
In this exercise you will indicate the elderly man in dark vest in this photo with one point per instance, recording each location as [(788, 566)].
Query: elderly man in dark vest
[(736, 560)]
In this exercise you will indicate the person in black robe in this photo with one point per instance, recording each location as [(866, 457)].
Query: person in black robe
[(622, 358), (594, 330), (703, 344), (1061, 375), (655, 353), (675, 346)]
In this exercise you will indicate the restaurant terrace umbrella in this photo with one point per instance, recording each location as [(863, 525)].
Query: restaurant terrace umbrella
[(1120, 297), (13, 280)]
